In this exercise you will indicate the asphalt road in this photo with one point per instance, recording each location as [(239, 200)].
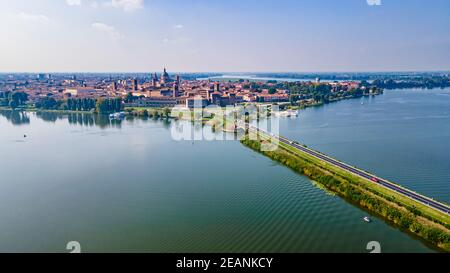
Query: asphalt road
[(380, 181)]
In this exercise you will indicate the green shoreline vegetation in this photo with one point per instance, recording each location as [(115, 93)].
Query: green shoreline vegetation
[(430, 225), (132, 111)]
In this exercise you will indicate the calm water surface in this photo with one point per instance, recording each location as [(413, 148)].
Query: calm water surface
[(403, 135), (129, 187)]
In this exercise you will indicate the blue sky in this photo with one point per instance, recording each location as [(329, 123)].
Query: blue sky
[(216, 35)]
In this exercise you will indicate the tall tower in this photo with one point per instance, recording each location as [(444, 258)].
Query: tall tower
[(216, 87), (154, 80), (135, 85), (163, 76), (175, 90)]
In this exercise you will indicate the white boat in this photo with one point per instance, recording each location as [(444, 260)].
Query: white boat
[(367, 219), (118, 115), (287, 113)]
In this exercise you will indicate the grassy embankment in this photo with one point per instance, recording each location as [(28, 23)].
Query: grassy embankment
[(415, 218)]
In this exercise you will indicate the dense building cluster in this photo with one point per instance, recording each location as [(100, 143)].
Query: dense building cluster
[(165, 90)]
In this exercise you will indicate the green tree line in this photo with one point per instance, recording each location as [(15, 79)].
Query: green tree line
[(13, 99), (101, 105)]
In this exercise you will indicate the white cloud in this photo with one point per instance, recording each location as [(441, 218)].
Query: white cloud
[(33, 17), (110, 30), (178, 26), (73, 2), (127, 5), (177, 41)]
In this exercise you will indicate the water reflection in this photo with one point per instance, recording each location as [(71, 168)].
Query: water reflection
[(83, 119), (16, 117), (89, 120)]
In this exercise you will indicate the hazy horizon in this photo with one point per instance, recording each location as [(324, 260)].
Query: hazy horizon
[(226, 73)]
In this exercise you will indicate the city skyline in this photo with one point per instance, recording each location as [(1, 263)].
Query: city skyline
[(138, 36)]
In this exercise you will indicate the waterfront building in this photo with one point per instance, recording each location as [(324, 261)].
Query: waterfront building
[(272, 97), (157, 102), (80, 91), (215, 98), (197, 101)]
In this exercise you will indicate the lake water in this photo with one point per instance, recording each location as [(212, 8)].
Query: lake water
[(403, 135), (130, 187)]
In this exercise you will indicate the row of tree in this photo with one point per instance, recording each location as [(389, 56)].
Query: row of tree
[(419, 82), (101, 105), (150, 113), (85, 104), (13, 99), (109, 105), (48, 103)]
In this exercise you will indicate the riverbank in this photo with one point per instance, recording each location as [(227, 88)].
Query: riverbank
[(32, 109), (133, 112), (412, 217)]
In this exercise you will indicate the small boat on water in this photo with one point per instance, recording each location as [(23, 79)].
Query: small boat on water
[(118, 115), (367, 219), (287, 113)]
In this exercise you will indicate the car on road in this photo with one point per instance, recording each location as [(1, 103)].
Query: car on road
[(374, 179)]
